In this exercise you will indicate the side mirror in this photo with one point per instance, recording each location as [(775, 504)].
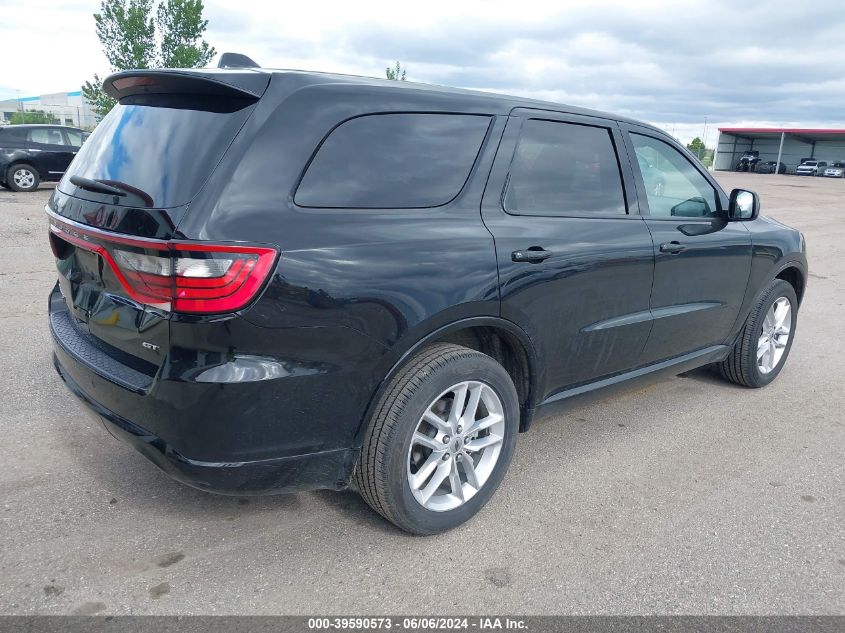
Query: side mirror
[(745, 205)]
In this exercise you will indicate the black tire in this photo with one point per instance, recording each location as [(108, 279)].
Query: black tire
[(381, 476), (35, 179), (741, 366)]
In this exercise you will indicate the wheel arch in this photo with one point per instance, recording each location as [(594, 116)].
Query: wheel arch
[(794, 276), (499, 338), (21, 160)]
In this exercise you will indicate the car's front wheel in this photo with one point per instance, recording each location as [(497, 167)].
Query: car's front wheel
[(23, 177), (440, 440), (766, 339)]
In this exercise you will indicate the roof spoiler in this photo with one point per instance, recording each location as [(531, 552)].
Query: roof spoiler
[(236, 60), (130, 83)]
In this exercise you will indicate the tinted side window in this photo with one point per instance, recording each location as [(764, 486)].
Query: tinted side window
[(74, 138), (673, 186), (46, 135), (386, 161), (11, 134), (564, 169)]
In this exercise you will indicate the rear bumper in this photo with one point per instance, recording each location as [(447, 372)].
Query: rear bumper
[(224, 421), (326, 469)]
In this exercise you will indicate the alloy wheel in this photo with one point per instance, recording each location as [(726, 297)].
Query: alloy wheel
[(23, 178), (774, 335), (456, 445)]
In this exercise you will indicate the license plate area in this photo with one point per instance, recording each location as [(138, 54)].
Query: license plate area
[(80, 281)]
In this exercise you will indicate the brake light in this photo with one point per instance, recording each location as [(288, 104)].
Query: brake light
[(134, 82), (187, 277)]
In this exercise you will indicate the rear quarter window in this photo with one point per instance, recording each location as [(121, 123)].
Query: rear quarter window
[(10, 134), (393, 161)]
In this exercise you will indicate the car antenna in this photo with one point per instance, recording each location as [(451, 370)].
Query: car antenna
[(236, 60)]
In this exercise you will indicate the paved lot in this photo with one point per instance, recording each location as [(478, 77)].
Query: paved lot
[(689, 496)]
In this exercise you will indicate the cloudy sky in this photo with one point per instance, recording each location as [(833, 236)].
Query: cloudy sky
[(739, 62)]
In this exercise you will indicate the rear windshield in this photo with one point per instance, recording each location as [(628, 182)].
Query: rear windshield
[(162, 151)]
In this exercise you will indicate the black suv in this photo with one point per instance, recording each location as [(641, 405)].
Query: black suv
[(273, 280), (768, 167), (32, 153)]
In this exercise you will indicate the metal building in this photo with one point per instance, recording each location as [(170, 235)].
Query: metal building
[(791, 144)]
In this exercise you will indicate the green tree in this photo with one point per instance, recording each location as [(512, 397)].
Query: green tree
[(127, 33), (132, 38), (396, 74), (180, 27), (697, 147), (32, 116), (94, 94)]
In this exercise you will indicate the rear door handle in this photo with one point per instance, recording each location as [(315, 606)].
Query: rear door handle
[(672, 247), (532, 255)]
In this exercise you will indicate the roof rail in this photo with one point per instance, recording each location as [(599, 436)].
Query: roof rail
[(236, 60)]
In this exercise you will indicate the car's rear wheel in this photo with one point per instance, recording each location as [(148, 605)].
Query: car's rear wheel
[(766, 339), (22, 177), (440, 440)]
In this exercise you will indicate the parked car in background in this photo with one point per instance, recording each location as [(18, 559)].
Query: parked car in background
[(811, 168), (768, 167), (271, 281), (30, 154), (835, 170), (749, 161)]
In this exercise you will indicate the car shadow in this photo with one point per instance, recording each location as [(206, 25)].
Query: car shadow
[(130, 478), (709, 376), (352, 506), (127, 477)]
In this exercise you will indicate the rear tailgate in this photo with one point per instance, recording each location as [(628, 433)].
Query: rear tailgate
[(113, 218)]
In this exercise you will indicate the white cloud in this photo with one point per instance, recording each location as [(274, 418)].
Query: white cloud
[(668, 62)]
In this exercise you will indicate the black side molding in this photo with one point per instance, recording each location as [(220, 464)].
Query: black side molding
[(582, 394)]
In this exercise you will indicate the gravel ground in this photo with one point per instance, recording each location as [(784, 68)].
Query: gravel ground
[(689, 496)]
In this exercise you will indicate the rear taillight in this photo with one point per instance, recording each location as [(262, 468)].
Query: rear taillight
[(190, 277)]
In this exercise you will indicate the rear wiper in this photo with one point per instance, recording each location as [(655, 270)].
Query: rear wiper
[(96, 186)]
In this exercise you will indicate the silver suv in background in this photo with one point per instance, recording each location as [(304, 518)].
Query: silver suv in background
[(835, 170), (811, 168)]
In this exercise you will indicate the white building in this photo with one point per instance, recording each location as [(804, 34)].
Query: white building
[(69, 108)]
